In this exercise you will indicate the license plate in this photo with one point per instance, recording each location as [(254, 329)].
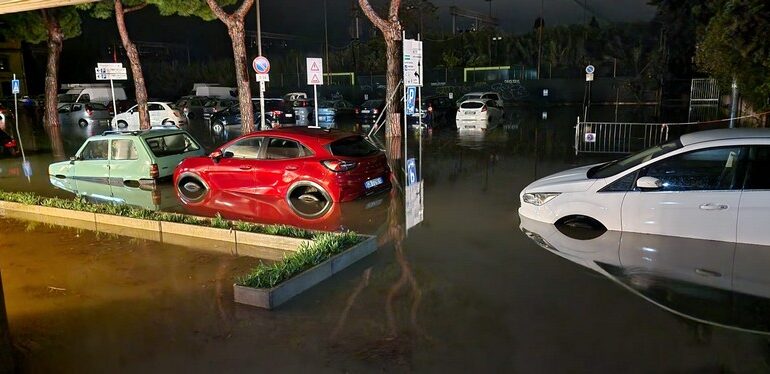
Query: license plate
[(470, 113), (289, 115), (470, 127), (373, 182), (365, 111)]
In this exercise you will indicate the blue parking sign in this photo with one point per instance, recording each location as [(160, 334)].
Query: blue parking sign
[(15, 86), (411, 172), (411, 97)]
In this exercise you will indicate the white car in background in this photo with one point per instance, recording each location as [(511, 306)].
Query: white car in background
[(478, 114), (489, 95), (711, 185), (161, 114)]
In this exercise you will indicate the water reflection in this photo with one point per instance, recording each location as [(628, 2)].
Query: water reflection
[(716, 283), (159, 197)]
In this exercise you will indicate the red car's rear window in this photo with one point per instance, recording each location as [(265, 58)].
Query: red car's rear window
[(353, 146)]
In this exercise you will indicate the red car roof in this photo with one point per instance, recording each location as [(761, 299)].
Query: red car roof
[(307, 135)]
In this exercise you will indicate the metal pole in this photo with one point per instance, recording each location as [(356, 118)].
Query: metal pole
[(114, 105), (734, 103), (315, 103), (540, 39), (406, 152), (419, 126), (261, 84), (16, 118), (326, 44)]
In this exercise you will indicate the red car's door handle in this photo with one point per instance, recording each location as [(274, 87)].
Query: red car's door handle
[(245, 167), (292, 168)]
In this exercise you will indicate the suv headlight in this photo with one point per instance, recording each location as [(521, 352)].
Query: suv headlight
[(539, 198)]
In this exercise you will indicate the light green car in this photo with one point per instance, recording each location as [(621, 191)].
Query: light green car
[(127, 158)]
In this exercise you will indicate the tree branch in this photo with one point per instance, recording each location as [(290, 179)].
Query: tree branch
[(394, 5), (135, 8), (244, 8), (372, 15), (217, 10)]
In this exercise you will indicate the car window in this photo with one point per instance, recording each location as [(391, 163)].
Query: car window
[(620, 165), (172, 144), (85, 98), (77, 107), (96, 106), (95, 150), (701, 170), (494, 96), (471, 105), (64, 109), (354, 146), (154, 107), (491, 103), (279, 149), (757, 166), (123, 149), (245, 148)]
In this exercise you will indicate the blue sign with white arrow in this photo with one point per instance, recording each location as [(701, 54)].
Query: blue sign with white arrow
[(15, 86)]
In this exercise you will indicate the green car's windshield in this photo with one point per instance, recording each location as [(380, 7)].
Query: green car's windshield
[(171, 144), (620, 165)]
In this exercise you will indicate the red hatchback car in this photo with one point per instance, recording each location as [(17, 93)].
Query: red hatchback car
[(292, 163)]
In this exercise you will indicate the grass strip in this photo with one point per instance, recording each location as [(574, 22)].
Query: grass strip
[(321, 248), (28, 198)]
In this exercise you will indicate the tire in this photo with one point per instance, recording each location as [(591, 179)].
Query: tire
[(83, 123), (122, 124), (309, 200), (217, 127), (191, 188), (168, 123)]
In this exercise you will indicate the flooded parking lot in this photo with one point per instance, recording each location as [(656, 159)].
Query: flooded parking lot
[(471, 289)]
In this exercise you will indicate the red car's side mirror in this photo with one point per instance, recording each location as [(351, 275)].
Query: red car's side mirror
[(216, 156)]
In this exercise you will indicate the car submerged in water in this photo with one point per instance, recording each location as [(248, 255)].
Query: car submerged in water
[(127, 158), (296, 162)]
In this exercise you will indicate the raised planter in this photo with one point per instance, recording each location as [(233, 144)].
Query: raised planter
[(270, 241), (134, 223), (197, 231), (270, 298)]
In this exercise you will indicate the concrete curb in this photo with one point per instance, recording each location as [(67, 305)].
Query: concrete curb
[(271, 241), (270, 298)]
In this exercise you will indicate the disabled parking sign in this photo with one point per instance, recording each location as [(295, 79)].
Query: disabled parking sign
[(411, 172), (15, 87), (411, 98)]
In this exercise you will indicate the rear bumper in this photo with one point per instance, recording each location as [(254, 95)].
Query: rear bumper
[(345, 189)]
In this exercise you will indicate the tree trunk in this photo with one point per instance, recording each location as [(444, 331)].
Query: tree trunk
[(55, 39), (136, 66), (236, 30), (393, 76)]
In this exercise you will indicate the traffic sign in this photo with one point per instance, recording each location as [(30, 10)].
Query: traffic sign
[(590, 137), (263, 77), (411, 172), (110, 65), (590, 69), (589, 77), (411, 98), (15, 86), (106, 74), (261, 65), (315, 71), (412, 60)]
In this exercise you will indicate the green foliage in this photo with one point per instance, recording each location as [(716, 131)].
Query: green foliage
[(199, 8), (81, 205), (735, 45), (322, 248), (30, 27)]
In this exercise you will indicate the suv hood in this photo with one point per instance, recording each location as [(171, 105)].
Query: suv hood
[(572, 180)]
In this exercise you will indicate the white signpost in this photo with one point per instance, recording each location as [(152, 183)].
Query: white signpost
[(111, 71), (16, 89), (315, 78), (412, 67), (261, 66)]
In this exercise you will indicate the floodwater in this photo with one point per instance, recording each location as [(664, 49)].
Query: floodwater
[(466, 291)]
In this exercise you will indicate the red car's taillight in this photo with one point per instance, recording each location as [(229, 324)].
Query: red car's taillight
[(277, 113), (10, 144), (154, 171), (430, 108), (339, 165), (483, 109), (358, 111)]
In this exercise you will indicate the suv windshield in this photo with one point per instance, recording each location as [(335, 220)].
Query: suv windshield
[(620, 165), (354, 146), (171, 144)]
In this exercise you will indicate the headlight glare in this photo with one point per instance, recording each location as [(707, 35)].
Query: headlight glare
[(539, 198)]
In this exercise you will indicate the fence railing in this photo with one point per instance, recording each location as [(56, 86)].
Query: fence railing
[(619, 137)]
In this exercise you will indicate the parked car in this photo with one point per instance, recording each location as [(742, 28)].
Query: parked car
[(489, 95), (293, 163), (8, 145), (83, 114), (710, 185), (330, 111), (213, 90), (217, 105), (192, 106), (128, 158), (370, 110), (437, 111), (478, 114), (301, 109), (291, 96), (161, 114), (275, 115), (91, 93)]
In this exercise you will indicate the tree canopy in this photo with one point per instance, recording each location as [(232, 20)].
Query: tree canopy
[(30, 26)]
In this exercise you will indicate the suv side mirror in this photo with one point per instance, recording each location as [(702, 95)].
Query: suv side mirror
[(228, 154), (649, 183)]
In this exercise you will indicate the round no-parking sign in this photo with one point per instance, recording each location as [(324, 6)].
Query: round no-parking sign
[(261, 65)]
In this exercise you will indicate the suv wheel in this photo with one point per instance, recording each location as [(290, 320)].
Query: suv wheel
[(122, 124)]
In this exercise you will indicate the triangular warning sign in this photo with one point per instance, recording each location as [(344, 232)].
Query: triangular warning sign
[(314, 67), (314, 79)]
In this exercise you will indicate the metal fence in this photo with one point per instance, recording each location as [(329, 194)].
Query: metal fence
[(618, 137)]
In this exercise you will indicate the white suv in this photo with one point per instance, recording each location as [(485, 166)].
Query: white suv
[(161, 114), (711, 185)]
